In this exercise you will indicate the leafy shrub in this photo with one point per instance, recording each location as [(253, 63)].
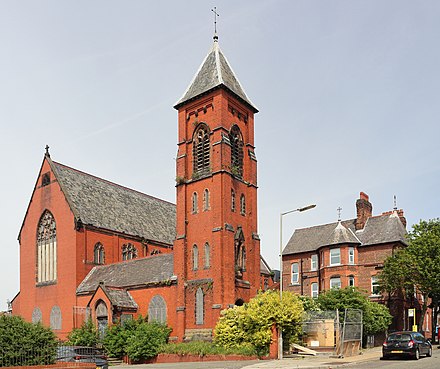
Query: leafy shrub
[(251, 323), (146, 340), (115, 340), (201, 348), (86, 335), (24, 343)]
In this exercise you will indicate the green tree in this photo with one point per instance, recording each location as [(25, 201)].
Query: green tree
[(424, 251), (86, 335), (376, 317), (251, 323), (417, 266), (24, 343)]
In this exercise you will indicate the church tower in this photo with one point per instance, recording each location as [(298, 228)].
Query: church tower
[(217, 248)]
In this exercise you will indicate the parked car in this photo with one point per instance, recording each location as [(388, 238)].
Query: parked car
[(82, 354), (406, 343)]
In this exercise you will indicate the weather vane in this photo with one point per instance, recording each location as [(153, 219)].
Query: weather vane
[(215, 20), (395, 202), (339, 213)]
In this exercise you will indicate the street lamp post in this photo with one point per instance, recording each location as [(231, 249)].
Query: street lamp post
[(280, 334)]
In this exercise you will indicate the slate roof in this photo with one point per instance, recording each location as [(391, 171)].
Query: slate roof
[(377, 230), (264, 267), (104, 204), (214, 72), (120, 298), (133, 273)]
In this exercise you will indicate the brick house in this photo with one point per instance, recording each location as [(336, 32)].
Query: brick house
[(89, 247), (345, 253)]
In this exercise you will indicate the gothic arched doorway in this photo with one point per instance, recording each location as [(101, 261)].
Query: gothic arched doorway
[(101, 313)]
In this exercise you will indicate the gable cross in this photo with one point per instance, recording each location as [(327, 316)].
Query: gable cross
[(339, 213)]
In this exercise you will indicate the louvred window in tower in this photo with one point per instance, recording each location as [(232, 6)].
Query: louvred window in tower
[(129, 252), (201, 151), (46, 249), (236, 140)]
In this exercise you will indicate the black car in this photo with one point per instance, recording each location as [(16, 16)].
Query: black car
[(82, 354), (411, 344)]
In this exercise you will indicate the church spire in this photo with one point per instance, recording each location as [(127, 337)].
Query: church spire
[(215, 72)]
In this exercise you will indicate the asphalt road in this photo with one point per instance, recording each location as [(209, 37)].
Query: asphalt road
[(402, 363)]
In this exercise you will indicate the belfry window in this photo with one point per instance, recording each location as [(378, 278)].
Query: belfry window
[(129, 252), (98, 254), (236, 140), (46, 249), (201, 150)]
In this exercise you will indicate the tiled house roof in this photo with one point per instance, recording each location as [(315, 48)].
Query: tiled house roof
[(214, 72), (378, 229), (106, 205), (129, 274)]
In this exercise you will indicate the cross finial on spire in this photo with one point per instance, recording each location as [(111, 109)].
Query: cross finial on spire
[(215, 22), (395, 202), (47, 151), (339, 213)]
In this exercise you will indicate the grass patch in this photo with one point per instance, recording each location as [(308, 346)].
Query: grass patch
[(201, 348)]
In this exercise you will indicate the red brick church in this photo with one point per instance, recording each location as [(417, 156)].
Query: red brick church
[(90, 247)]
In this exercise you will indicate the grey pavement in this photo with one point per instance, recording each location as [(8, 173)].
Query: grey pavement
[(298, 362)]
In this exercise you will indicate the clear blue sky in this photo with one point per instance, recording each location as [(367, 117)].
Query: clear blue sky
[(348, 93)]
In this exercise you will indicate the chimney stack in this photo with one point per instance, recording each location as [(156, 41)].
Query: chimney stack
[(402, 217), (364, 210)]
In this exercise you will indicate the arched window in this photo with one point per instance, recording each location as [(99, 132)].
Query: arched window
[(206, 200), (129, 252), (37, 316), (232, 200), (200, 306), (157, 310), (236, 140), (98, 254), (242, 205), (46, 249), (195, 257), (195, 200), (207, 255), (55, 318), (201, 150)]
